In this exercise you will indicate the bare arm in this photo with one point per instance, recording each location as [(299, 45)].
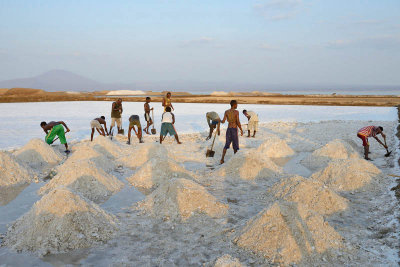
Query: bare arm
[(238, 122), (224, 119), (163, 102), (66, 127), (173, 118), (208, 121), (105, 127), (379, 141)]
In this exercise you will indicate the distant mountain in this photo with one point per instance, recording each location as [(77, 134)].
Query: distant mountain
[(60, 80)]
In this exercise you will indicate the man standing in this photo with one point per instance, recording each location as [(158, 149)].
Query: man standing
[(147, 116), (97, 123), (54, 128), (232, 115), (252, 125), (369, 131), (213, 121), (167, 102), (167, 125), (116, 111), (135, 121)]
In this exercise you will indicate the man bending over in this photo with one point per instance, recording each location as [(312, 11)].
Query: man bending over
[(369, 131), (54, 128), (97, 123)]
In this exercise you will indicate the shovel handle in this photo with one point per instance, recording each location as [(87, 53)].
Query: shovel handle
[(212, 145)]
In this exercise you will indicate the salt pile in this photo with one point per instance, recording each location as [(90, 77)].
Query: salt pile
[(249, 166), (61, 221), (12, 172), (347, 174), (275, 147), (336, 149), (179, 199), (142, 154), (107, 147), (312, 194), (85, 153), (38, 155), (287, 233), (156, 171), (228, 261), (86, 178)]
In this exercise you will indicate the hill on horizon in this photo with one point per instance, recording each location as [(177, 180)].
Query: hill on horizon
[(62, 80)]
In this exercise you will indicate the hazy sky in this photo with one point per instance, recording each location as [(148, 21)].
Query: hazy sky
[(266, 41)]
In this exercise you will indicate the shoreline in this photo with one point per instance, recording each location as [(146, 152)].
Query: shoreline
[(23, 95)]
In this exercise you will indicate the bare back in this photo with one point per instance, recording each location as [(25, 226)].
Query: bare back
[(232, 118)]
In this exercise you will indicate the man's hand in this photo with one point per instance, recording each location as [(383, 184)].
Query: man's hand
[(385, 146), (241, 132), (67, 130), (151, 108)]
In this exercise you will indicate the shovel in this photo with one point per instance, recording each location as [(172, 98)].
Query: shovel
[(210, 153), (387, 150), (153, 130)]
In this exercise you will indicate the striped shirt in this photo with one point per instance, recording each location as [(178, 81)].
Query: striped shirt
[(368, 131)]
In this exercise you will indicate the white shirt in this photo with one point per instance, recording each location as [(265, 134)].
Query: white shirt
[(253, 116), (167, 117)]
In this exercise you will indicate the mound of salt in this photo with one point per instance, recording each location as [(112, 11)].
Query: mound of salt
[(336, 149), (347, 174), (179, 199), (249, 166), (85, 153), (86, 178), (275, 148), (12, 172), (156, 171), (142, 154), (38, 155), (228, 261), (310, 193), (59, 222), (288, 232), (107, 147)]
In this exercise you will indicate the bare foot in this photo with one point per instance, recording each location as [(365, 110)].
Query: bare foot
[(179, 143), (222, 161)]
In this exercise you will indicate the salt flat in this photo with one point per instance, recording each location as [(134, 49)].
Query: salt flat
[(255, 208)]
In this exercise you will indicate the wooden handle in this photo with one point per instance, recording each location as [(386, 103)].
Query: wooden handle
[(215, 135)]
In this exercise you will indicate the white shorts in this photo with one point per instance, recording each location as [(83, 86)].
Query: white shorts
[(95, 124), (116, 120), (252, 126)]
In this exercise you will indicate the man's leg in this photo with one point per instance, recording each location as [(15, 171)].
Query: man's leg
[(91, 136), (248, 133), (139, 135), (254, 134), (161, 138), (177, 139), (366, 151), (223, 156), (129, 135)]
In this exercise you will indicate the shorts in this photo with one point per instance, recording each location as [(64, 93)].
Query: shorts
[(252, 126), (147, 117), (214, 122), (232, 137), (364, 139), (167, 127), (134, 121), (116, 120), (95, 124), (56, 130)]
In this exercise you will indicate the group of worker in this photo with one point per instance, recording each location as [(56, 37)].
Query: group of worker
[(53, 129)]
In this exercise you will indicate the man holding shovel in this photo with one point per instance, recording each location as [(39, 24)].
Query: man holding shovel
[(54, 128), (116, 111), (97, 124), (232, 116), (373, 131), (135, 121), (147, 116)]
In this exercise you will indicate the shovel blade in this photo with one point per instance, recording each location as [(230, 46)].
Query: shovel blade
[(153, 131), (388, 154), (210, 153)]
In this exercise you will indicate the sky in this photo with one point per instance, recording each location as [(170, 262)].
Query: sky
[(264, 42)]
